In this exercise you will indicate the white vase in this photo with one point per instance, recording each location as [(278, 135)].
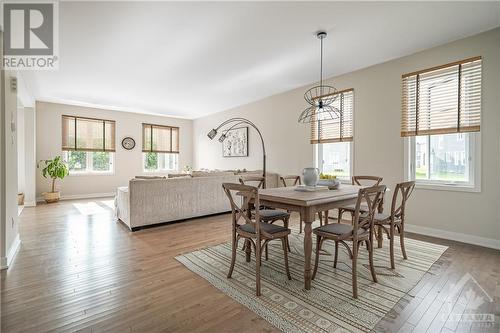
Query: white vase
[(310, 176)]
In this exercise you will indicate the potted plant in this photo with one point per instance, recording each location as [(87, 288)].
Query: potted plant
[(54, 169)]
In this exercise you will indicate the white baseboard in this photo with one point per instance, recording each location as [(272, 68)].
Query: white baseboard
[(30, 204), (5, 262), (464, 238), (82, 196)]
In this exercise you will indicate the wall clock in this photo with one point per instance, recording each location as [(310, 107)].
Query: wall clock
[(128, 143)]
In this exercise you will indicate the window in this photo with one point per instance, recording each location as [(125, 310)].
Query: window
[(160, 148), (443, 158), (158, 162), (86, 162), (441, 122), (88, 145), (442, 100), (336, 159), (339, 129)]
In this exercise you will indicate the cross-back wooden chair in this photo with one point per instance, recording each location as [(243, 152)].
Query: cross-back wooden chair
[(294, 180), (290, 180), (254, 231), (361, 181), (396, 219), (361, 231), (266, 214)]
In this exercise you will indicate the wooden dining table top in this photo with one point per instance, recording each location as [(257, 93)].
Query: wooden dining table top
[(288, 195)]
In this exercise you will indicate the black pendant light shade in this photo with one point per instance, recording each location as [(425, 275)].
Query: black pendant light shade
[(320, 97)]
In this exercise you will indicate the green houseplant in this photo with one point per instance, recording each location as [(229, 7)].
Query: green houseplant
[(54, 169)]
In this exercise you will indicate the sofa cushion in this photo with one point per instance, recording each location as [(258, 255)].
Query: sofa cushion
[(211, 173), (150, 177), (179, 175)]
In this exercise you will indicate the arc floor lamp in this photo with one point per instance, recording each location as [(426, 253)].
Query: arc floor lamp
[(232, 123)]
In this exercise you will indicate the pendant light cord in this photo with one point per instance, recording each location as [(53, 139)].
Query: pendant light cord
[(321, 67)]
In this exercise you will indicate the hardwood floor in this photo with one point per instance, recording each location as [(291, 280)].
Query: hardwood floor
[(79, 269)]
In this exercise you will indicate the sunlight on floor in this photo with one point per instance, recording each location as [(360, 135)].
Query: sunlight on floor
[(110, 203), (89, 208)]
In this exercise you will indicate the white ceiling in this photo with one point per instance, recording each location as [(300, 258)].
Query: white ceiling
[(193, 59)]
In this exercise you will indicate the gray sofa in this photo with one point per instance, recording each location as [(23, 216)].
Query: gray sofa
[(148, 202)]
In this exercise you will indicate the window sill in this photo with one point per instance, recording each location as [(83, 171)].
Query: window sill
[(447, 187)]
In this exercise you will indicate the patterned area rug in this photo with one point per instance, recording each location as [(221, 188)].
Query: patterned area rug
[(328, 306)]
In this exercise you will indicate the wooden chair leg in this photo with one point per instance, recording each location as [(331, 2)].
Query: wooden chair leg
[(248, 250), (380, 236), (355, 271), (233, 256), (316, 260), (369, 244), (257, 266), (336, 255), (300, 228), (402, 240), (326, 216), (339, 218), (320, 215), (267, 254), (284, 241), (286, 222), (391, 245)]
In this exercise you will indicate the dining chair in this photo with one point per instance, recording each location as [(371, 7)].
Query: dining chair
[(361, 231), (360, 180), (253, 230), (267, 215), (396, 219), (294, 181)]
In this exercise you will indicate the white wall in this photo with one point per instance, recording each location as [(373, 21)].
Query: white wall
[(9, 218), (378, 147), (127, 163), (30, 169), (21, 152)]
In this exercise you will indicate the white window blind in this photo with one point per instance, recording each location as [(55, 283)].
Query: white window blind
[(340, 129), (442, 100), (87, 134)]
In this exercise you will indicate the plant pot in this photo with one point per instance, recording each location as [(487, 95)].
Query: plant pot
[(51, 197), (20, 199)]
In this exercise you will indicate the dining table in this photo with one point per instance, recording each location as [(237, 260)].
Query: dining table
[(307, 204)]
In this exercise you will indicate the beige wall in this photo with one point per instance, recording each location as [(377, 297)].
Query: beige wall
[(378, 147), (127, 163)]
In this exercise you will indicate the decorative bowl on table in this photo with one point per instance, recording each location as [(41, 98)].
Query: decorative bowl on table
[(328, 180), (332, 184)]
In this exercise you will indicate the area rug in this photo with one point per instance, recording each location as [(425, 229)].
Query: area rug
[(328, 306)]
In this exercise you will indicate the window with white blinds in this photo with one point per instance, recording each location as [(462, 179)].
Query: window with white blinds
[(87, 134), (160, 139), (340, 129), (442, 100)]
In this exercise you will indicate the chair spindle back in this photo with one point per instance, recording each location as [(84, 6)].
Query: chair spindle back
[(294, 180), (371, 196), (246, 195)]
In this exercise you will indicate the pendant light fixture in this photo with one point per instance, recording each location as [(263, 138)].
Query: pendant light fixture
[(320, 97)]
